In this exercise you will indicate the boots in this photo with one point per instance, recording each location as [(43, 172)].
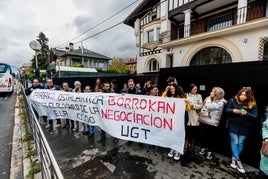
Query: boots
[(192, 146), (186, 145)]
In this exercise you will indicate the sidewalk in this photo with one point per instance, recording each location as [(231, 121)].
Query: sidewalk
[(82, 157)]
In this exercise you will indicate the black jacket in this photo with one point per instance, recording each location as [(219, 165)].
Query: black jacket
[(29, 90), (237, 123)]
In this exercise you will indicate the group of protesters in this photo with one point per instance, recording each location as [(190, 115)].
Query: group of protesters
[(202, 117)]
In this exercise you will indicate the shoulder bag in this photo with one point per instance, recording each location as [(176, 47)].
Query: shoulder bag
[(264, 148)]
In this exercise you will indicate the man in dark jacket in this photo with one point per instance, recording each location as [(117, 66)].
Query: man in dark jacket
[(35, 85), (28, 91), (105, 89), (51, 86)]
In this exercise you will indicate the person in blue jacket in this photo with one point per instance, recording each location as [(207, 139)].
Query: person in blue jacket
[(242, 113)]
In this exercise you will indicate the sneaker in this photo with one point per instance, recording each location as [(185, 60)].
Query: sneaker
[(203, 151), (209, 155), (101, 139), (57, 125), (177, 156), (115, 140), (75, 129), (48, 126), (233, 163), (171, 153), (66, 126), (82, 129), (240, 167)]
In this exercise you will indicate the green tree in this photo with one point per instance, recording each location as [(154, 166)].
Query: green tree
[(117, 65), (42, 56)]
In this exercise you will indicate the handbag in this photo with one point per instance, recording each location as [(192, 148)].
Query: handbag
[(264, 148), (204, 115)]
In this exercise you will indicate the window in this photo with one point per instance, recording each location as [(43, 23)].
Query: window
[(3, 68), (76, 61), (153, 16), (150, 36), (220, 21), (169, 61), (90, 63), (158, 34), (211, 55), (153, 65), (99, 64), (85, 63)]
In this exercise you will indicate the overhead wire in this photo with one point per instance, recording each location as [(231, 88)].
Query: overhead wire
[(108, 18), (114, 25)]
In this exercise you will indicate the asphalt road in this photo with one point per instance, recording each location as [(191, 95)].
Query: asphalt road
[(82, 157), (7, 103)]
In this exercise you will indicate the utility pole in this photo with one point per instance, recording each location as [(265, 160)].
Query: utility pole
[(82, 51)]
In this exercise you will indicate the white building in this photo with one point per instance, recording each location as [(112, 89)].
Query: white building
[(174, 33)]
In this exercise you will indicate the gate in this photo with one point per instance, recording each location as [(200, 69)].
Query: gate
[(231, 77)]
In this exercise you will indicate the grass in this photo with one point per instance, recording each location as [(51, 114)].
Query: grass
[(28, 138)]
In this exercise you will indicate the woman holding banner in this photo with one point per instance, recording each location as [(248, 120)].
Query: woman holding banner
[(173, 91)]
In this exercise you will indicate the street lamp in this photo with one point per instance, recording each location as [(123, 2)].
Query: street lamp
[(36, 46)]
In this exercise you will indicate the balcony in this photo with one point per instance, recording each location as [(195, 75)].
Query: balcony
[(216, 21), (151, 45)]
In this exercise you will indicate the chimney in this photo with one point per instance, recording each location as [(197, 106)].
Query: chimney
[(67, 49), (71, 46)]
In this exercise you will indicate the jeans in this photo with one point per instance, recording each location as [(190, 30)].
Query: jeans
[(90, 129), (237, 144)]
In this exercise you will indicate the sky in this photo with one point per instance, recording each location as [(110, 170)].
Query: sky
[(62, 21)]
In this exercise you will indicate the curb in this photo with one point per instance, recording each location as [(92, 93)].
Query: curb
[(20, 162), (16, 165)]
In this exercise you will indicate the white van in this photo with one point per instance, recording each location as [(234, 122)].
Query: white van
[(6, 78)]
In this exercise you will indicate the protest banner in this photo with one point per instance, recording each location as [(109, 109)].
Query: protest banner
[(148, 119)]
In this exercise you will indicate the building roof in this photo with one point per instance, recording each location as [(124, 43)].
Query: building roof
[(78, 52), (86, 53), (131, 61), (57, 51), (140, 11)]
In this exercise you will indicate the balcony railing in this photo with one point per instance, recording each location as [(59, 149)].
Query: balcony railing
[(220, 22), (254, 10)]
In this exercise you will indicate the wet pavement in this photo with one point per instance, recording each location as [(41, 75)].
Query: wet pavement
[(82, 157), (7, 103)]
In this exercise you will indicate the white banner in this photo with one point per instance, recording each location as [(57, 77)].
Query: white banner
[(148, 119)]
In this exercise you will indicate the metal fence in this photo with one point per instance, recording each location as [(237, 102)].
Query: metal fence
[(49, 166)]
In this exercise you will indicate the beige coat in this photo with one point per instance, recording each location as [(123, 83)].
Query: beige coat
[(193, 113)]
